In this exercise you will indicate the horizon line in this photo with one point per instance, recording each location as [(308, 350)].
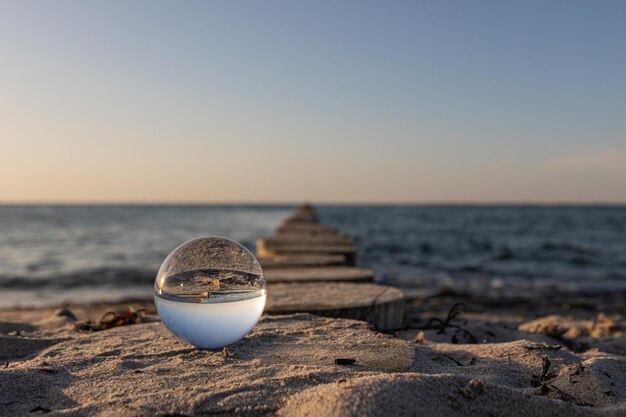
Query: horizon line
[(319, 203)]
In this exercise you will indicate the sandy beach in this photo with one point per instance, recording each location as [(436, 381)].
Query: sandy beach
[(517, 362), (410, 352)]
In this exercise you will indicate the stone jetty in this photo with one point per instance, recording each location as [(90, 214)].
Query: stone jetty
[(310, 268)]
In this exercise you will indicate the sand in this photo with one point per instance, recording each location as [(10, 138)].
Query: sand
[(423, 352), (143, 370), (286, 366)]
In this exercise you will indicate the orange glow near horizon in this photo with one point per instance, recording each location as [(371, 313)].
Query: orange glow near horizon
[(101, 105)]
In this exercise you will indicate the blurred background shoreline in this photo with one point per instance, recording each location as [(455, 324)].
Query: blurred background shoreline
[(53, 254)]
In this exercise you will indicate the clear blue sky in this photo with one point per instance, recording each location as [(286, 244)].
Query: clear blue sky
[(325, 101)]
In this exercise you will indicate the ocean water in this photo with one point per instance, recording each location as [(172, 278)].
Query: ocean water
[(51, 254)]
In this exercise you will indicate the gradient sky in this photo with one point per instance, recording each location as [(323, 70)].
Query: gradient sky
[(283, 101)]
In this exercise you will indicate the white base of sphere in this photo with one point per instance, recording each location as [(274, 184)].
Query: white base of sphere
[(210, 325)]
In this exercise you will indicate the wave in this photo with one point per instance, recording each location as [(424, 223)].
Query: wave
[(97, 277)]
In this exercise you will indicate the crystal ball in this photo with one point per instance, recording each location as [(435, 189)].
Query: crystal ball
[(210, 292)]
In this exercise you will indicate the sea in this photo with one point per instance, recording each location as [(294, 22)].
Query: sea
[(51, 254)]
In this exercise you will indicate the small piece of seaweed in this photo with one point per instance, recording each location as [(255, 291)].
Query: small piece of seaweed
[(543, 346), (112, 319), (436, 323), (546, 375), (39, 408)]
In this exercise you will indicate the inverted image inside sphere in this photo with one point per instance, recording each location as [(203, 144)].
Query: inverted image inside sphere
[(205, 266)]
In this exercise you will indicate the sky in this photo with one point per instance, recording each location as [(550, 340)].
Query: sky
[(324, 101)]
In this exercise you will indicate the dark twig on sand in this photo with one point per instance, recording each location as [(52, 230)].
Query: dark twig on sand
[(579, 370), (556, 332), (546, 375), (452, 359), (39, 408), (547, 388), (345, 361), (471, 362), (543, 346), (441, 326)]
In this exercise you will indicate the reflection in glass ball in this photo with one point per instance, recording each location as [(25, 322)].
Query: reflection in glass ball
[(210, 292)]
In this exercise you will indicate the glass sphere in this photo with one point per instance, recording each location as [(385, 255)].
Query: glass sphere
[(210, 292)]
